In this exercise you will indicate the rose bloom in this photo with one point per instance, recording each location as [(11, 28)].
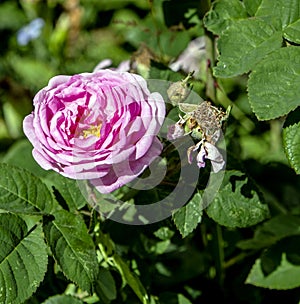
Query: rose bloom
[(99, 126)]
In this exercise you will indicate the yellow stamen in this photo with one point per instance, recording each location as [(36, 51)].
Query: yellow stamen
[(93, 130)]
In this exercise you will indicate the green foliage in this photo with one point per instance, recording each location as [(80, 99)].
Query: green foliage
[(73, 248), (128, 277), (237, 203), (273, 83), (68, 189), (106, 286), (224, 14), (272, 231), (243, 246), (23, 259), (285, 276), (187, 218), (62, 300), (22, 192), (32, 73), (291, 139), (238, 56)]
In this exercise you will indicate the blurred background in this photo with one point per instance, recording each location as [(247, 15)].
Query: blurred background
[(40, 39)]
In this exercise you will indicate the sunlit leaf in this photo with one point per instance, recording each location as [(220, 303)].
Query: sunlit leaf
[(223, 14), (285, 276), (189, 216), (131, 279), (73, 248), (243, 45), (274, 84), (279, 12), (21, 191), (23, 259), (62, 299), (164, 233)]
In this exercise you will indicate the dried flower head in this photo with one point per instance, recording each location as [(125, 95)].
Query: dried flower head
[(204, 123)]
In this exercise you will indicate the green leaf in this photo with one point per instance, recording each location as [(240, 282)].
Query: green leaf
[(279, 12), (271, 232), (164, 233), (183, 300), (189, 216), (131, 279), (243, 45), (285, 276), (284, 15), (252, 6), (274, 84), (291, 139), (73, 248), (107, 249), (20, 191), (69, 190), (105, 285), (223, 14), (292, 32), (62, 299), (237, 203), (23, 259), (160, 247)]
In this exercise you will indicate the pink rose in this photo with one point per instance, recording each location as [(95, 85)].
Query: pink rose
[(99, 126)]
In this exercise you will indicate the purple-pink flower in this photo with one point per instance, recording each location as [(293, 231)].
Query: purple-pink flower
[(99, 126)]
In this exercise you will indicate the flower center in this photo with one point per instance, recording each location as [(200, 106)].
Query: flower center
[(93, 130)]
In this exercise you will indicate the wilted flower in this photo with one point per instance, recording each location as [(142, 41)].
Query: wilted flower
[(203, 122), (30, 31), (99, 126)]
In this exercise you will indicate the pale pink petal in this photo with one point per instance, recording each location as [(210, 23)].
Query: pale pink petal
[(99, 126)]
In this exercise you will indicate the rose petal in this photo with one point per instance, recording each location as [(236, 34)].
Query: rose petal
[(100, 126)]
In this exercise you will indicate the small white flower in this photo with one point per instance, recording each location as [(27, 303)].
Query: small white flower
[(189, 59), (207, 151), (214, 155), (124, 66)]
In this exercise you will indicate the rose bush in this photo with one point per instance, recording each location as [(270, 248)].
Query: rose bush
[(99, 126)]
